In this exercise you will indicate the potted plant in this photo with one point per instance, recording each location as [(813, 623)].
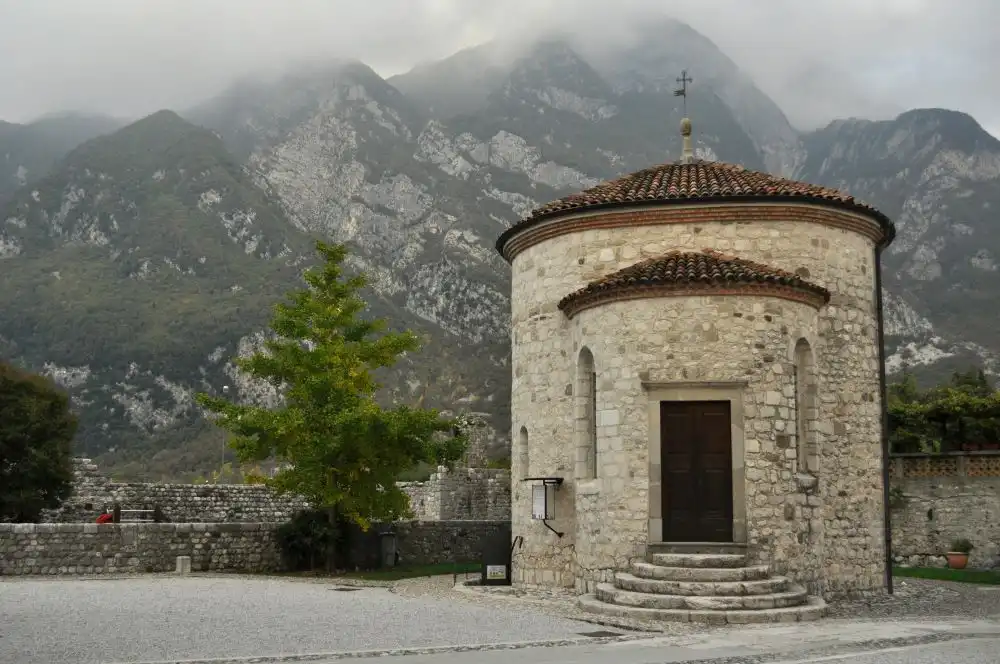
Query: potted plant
[(958, 557)]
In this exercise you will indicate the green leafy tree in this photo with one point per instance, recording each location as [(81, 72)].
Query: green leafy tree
[(962, 412), (345, 451), (36, 434), (973, 381)]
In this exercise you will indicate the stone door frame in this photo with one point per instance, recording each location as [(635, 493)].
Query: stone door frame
[(696, 391)]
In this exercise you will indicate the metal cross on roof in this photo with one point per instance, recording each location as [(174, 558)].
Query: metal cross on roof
[(682, 91)]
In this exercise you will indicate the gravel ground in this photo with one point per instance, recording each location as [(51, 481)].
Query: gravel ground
[(922, 598), (150, 618), (913, 599), (555, 602)]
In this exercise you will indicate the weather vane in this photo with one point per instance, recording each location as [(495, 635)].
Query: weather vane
[(683, 91)]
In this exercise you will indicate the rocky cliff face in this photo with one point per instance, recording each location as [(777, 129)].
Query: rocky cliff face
[(29, 151), (133, 269), (419, 175), (937, 174)]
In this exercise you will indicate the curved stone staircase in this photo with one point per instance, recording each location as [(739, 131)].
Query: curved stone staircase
[(714, 588)]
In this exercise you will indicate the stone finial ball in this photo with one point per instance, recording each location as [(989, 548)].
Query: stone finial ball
[(686, 127)]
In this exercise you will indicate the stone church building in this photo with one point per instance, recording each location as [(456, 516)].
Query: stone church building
[(697, 394)]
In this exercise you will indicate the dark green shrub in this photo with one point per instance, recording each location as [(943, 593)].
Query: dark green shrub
[(313, 539), (961, 545)]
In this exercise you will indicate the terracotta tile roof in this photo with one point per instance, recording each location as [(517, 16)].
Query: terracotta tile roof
[(698, 181), (687, 271)]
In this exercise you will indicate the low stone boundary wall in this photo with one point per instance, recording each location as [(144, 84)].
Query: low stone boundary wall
[(90, 548), (180, 503), (449, 495), (428, 542), (936, 499)]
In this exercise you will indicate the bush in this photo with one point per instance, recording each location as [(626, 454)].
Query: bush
[(961, 545), (36, 435), (313, 539)]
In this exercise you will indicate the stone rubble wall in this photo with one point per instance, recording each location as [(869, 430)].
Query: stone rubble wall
[(90, 548), (83, 549), (938, 499), (462, 493), (431, 542), (181, 503), (470, 491)]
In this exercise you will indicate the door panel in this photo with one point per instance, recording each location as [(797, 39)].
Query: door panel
[(696, 458)]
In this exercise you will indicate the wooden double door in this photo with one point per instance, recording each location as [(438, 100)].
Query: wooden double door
[(696, 456)]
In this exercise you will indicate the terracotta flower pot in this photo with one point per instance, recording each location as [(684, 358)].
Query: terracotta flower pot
[(957, 560)]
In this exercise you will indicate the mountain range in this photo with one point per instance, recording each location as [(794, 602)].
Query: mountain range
[(137, 258)]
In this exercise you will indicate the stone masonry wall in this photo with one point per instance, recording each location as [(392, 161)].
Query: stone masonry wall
[(217, 547), (938, 499), (462, 493), (90, 548), (430, 542), (470, 491), (181, 503), (808, 239), (719, 340)]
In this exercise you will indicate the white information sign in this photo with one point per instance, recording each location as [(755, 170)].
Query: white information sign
[(496, 572)]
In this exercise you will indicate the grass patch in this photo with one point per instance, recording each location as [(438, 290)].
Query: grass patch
[(415, 571), (981, 576)]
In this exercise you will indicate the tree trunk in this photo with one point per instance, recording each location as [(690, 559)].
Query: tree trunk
[(331, 559)]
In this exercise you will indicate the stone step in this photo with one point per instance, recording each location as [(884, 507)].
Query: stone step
[(704, 574), (813, 609), (727, 560), (794, 596), (697, 547), (625, 581)]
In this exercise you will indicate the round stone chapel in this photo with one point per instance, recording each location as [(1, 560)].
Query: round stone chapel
[(697, 409)]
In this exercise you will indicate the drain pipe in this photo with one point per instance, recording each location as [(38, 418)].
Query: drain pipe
[(884, 401)]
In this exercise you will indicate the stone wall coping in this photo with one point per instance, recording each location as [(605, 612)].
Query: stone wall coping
[(940, 455), (178, 486), (40, 528), (447, 522)]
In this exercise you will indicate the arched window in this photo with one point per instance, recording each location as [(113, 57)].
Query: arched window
[(806, 410), (585, 407), (522, 453)]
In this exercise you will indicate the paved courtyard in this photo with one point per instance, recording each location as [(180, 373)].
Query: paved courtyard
[(156, 618), (166, 618)]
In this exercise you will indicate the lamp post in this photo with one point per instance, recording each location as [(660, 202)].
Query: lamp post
[(222, 455)]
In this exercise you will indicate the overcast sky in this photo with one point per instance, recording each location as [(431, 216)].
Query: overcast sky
[(131, 57)]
